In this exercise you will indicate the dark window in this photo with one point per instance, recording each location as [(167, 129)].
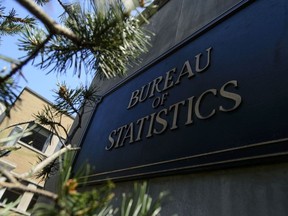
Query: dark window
[(38, 138), (10, 196)]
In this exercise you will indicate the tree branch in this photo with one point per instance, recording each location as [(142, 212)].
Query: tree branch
[(9, 148), (8, 175), (79, 122), (15, 184), (52, 25), (24, 188), (22, 63), (17, 124), (47, 161)]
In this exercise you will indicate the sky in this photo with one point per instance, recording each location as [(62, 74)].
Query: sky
[(37, 80)]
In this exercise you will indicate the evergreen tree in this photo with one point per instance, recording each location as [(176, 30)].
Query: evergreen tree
[(10, 25), (98, 37)]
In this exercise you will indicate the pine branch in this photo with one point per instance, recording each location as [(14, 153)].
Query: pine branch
[(10, 18), (103, 42), (8, 59), (41, 2), (47, 161), (19, 66), (48, 116), (52, 25), (15, 184), (9, 148)]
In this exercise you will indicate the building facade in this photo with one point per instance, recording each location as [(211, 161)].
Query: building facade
[(40, 143)]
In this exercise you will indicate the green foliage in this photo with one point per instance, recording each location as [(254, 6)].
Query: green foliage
[(105, 40), (80, 204), (68, 101), (72, 100), (140, 203), (11, 24), (8, 93), (41, 2), (47, 171), (108, 40), (74, 200), (8, 206)]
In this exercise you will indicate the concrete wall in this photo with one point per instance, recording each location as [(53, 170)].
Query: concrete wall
[(173, 23), (248, 191)]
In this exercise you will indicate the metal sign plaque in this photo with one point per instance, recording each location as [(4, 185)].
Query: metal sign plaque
[(219, 99)]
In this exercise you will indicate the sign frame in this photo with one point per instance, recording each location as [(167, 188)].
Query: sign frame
[(266, 151)]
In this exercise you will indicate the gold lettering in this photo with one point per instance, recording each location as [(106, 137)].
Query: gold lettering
[(198, 103), (190, 111), (147, 87), (186, 70), (157, 122), (235, 97), (129, 134), (149, 90), (155, 86), (169, 79), (161, 121), (152, 117), (197, 67), (175, 114), (112, 141), (156, 102), (141, 121), (134, 99), (120, 131)]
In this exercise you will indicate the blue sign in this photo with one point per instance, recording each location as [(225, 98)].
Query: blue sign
[(220, 99)]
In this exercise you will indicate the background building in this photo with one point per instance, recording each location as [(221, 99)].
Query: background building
[(41, 143)]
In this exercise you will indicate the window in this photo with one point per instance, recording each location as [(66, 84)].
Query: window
[(26, 200), (15, 135), (16, 130), (10, 196), (39, 137)]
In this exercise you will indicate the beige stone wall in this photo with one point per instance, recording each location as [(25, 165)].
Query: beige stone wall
[(27, 105), (23, 159)]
